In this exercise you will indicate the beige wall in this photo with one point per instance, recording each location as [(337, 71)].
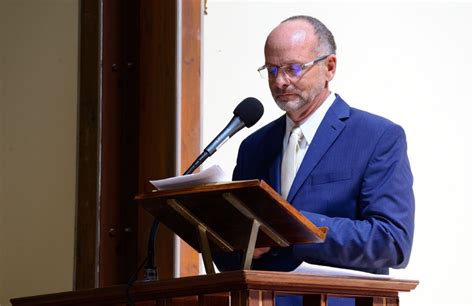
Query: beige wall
[(38, 109), (409, 61)]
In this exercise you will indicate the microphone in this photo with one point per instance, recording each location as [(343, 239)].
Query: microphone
[(247, 113)]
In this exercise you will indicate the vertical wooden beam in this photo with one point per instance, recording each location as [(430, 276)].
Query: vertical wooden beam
[(157, 117), (315, 300), (109, 232), (107, 144), (191, 12), (363, 301), (86, 262), (119, 144), (246, 298), (377, 301), (392, 301), (129, 140), (268, 298)]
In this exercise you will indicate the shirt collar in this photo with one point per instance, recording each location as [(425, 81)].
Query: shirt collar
[(311, 124)]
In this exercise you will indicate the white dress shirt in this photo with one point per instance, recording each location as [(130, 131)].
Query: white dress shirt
[(309, 128)]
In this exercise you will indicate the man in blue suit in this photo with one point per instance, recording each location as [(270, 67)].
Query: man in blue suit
[(352, 170)]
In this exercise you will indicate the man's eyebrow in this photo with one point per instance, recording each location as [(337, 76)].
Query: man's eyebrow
[(290, 62)]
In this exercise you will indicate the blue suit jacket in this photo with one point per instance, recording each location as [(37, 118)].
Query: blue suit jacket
[(355, 179)]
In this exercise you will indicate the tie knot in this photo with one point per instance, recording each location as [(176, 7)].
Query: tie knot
[(296, 133)]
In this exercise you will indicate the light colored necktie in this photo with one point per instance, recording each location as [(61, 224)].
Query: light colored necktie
[(288, 164)]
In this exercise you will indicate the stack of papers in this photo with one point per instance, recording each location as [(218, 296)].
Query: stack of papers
[(214, 174), (306, 268), (318, 270)]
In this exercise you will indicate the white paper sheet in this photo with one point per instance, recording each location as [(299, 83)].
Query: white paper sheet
[(214, 174), (306, 268)]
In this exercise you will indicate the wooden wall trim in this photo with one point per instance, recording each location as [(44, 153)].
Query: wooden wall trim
[(191, 15), (157, 117), (86, 260), (119, 141)]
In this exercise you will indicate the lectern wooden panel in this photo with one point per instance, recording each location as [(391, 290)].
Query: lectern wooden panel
[(240, 288), (228, 211)]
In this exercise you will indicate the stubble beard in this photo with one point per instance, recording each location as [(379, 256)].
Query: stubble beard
[(292, 105)]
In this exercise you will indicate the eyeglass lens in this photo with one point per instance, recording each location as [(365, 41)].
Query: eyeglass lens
[(293, 70)]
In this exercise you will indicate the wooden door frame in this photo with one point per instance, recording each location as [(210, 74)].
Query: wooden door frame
[(86, 248), (128, 100)]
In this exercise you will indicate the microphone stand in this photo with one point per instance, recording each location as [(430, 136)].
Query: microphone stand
[(150, 265), (251, 110)]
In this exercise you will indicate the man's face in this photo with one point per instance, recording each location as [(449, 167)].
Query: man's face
[(294, 42)]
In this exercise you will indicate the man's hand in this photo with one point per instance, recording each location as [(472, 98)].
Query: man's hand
[(259, 252)]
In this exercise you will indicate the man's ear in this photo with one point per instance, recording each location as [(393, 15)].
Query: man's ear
[(331, 64)]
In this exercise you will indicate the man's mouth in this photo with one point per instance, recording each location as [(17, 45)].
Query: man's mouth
[(285, 96)]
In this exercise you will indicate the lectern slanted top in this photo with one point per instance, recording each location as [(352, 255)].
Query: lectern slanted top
[(233, 216)]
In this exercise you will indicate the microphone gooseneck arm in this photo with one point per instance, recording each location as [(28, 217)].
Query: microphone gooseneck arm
[(201, 158), (235, 125)]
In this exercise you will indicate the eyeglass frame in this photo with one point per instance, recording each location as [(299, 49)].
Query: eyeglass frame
[(303, 67)]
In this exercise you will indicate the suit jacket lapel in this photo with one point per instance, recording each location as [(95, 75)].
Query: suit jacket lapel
[(274, 153), (330, 128)]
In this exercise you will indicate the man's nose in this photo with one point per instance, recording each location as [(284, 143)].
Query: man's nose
[(281, 79)]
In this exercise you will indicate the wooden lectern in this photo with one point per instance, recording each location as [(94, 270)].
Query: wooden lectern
[(237, 288), (237, 216)]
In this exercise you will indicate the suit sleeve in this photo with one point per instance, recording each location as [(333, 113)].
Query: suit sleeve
[(382, 234)]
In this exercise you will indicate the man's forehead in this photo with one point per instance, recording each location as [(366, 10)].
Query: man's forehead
[(298, 37), (291, 33)]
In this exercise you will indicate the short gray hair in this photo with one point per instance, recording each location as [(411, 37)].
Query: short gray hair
[(326, 39)]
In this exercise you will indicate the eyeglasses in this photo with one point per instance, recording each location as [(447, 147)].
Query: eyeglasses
[(293, 71)]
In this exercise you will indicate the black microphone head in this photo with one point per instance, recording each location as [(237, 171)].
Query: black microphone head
[(250, 110)]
